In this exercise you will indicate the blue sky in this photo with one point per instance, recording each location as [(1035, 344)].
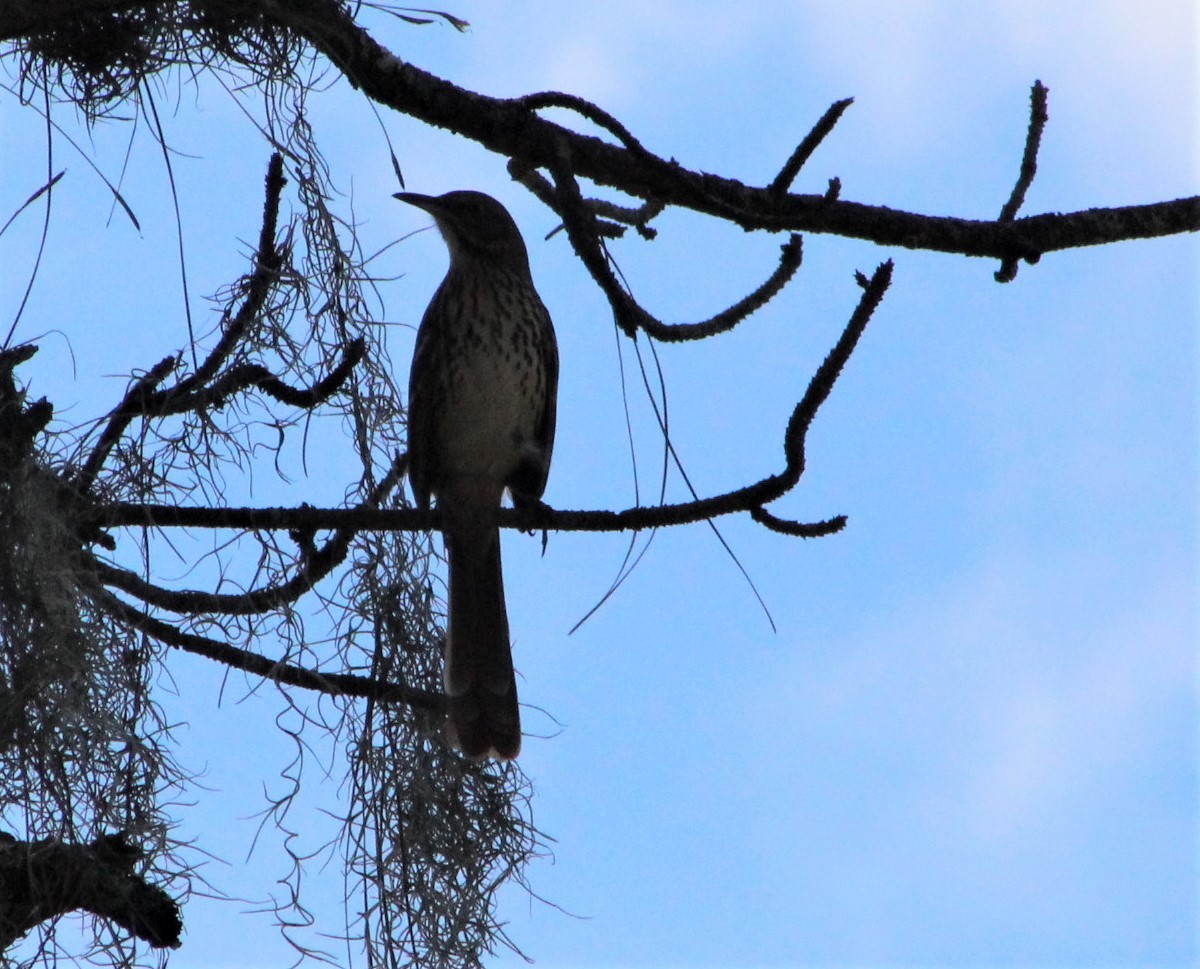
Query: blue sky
[(973, 739)]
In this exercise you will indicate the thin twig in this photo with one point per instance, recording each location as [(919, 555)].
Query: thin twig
[(278, 671), (791, 168), (1038, 116)]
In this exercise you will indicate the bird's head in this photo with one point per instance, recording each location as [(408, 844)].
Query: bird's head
[(475, 226)]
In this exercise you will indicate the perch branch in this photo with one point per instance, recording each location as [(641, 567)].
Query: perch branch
[(745, 499), (314, 566)]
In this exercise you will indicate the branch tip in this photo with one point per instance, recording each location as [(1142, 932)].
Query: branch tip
[(797, 529), (1038, 116), (791, 168)]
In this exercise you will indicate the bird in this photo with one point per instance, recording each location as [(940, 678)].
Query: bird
[(482, 397)]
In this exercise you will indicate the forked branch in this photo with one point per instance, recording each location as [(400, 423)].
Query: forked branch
[(514, 128)]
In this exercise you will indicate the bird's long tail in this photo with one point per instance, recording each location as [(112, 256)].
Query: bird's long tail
[(480, 683)]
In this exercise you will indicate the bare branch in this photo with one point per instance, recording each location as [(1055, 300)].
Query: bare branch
[(243, 377), (791, 253), (593, 112), (583, 229), (783, 526), (141, 400), (512, 128), (132, 405), (268, 262), (804, 150), (1038, 116), (613, 217), (743, 499), (821, 385), (315, 564), (335, 684)]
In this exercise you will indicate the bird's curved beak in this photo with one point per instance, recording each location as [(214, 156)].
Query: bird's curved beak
[(426, 203)]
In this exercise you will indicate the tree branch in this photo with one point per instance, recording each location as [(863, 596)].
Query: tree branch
[(45, 879), (20, 18), (804, 150), (314, 565), (1038, 116), (750, 498), (514, 129), (278, 671)]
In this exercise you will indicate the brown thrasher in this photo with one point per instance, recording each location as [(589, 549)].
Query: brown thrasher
[(481, 403)]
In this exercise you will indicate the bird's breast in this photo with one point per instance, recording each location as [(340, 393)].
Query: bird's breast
[(485, 346)]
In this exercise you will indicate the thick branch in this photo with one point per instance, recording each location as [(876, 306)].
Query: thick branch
[(45, 879), (513, 128), (19, 18)]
